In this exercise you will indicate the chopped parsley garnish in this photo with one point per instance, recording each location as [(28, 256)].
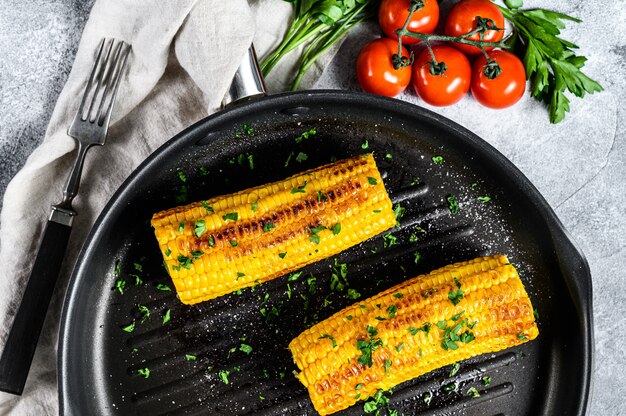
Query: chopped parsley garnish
[(425, 328), (301, 157), (255, 206), (120, 285), (203, 171), (368, 347), (166, 316), (398, 295), (294, 276), (197, 254), (181, 227), (399, 212), (330, 337), (305, 135), (372, 181), (377, 211), (184, 261), (251, 161), (138, 280), (455, 296), (199, 228), (338, 280), (399, 346), (249, 130), (417, 257), (536, 314), (484, 198), (486, 380), (223, 375), (389, 156), (453, 205), (452, 335), (245, 348), (314, 238), (472, 392), (233, 216), (144, 311), (450, 387), (389, 240), (336, 229), (181, 176), (299, 189), (414, 181), (234, 243), (353, 294), (289, 158), (190, 357), (282, 255), (207, 207), (437, 160), (138, 267), (365, 144), (455, 369), (321, 196), (393, 310), (176, 267), (129, 328), (522, 336), (376, 403), (168, 252), (239, 274), (145, 372), (268, 226), (163, 287), (211, 241), (387, 367), (349, 317), (289, 292)]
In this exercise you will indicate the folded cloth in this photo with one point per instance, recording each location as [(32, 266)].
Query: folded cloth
[(184, 55)]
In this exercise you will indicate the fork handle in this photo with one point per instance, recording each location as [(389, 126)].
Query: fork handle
[(73, 180), (20, 345)]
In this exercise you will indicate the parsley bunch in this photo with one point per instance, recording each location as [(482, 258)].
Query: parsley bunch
[(551, 64)]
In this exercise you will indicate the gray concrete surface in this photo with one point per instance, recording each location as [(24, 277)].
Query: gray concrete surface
[(578, 165)]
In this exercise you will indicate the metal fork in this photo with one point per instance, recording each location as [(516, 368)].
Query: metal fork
[(89, 128)]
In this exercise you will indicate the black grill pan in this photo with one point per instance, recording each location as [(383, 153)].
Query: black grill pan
[(99, 362)]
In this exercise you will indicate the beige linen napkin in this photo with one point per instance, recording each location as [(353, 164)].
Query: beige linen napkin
[(184, 55)]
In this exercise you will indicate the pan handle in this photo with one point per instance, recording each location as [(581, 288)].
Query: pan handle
[(247, 82)]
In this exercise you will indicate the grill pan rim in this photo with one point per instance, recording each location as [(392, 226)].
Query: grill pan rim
[(573, 263)]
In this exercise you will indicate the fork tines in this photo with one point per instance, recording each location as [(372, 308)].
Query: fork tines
[(104, 81)]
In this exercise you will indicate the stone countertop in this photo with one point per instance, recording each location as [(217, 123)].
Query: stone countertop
[(579, 165)]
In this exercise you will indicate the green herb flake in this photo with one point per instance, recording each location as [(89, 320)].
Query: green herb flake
[(144, 372), (522, 336), (437, 160), (321, 196), (120, 285), (185, 262), (453, 205), (399, 347), (349, 317), (472, 392), (389, 156), (268, 226), (399, 212), (223, 375), (211, 241), (299, 189), (353, 294), (330, 337), (387, 367), (289, 158), (336, 229), (190, 357), (486, 380), (301, 157), (163, 287), (417, 257), (234, 243), (144, 311), (372, 181), (377, 211), (282, 255), (168, 252), (249, 130), (389, 240), (181, 227), (166, 316), (398, 295), (233, 216), (365, 144), (305, 135), (294, 276), (181, 176), (208, 208), (255, 206), (368, 347), (484, 198), (450, 387), (129, 328), (199, 228), (392, 310), (454, 369), (245, 348)]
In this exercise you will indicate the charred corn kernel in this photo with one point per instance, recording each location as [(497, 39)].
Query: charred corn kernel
[(451, 314), (230, 242)]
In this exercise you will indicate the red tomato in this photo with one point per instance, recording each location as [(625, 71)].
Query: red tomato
[(462, 19), (375, 71), (503, 90), (393, 13), (448, 87)]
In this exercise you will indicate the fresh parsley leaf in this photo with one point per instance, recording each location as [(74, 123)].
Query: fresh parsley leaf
[(484, 198), (223, 375), (389, 156), (163, 287), (389, 240), (398, 295), (233, 216), (185, 262), (181, 176), (168, 252), (399, 347), (437, 160), (255, 206), (330, 337), (454, 369), (365, 144), (305, 135), (208, 208), (453, 205), (190, 357), (392, 310), (299, 189), (522, 336), (268, 226), (372, 181), (245, 348), (417, 257), (199, 228), (336, 229), (289, 158), (353, 294), (181, 227), (282, 255), (301, 157), (486, 380), (387, 367), (399, 212), (472, 392), (129, 328), (455, 296), (166, 316), (145, 372)]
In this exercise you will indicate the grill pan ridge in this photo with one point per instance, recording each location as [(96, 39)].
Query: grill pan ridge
[(99, 362)]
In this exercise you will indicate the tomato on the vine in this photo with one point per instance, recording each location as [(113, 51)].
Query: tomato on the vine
[(501, 85), (445, 83), (375, 70), (393, 13), (464, 18)]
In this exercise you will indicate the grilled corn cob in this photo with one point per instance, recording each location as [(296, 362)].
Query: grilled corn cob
[(230, 242), (451, 314)]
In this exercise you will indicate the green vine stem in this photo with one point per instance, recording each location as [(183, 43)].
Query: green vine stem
[(492, 69)]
